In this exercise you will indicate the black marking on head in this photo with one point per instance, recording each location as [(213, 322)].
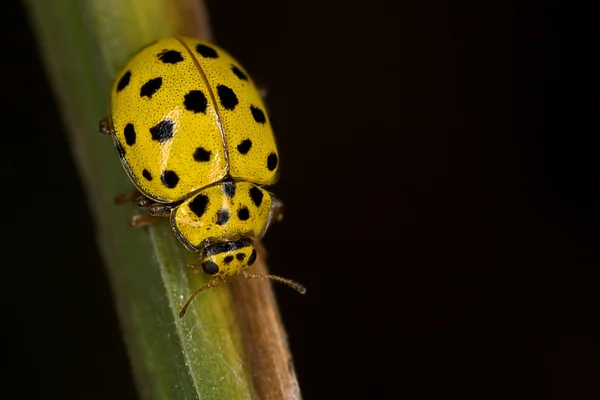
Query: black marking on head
[(258, 115), (227, 247), (238, 72), (222, 216), (170, 56), (201, 154), (206, 52), (195, 101), (199, 204), (146, 174), (228, 98), (245, 146), (210, 267), (124, 81), (256, 195), (120, 149), (252, 257), (240, 256), (162, 131), (149, 88), (129, 133), (229, 188), (169, 179), (272, 161), (228, 259), (243, 214)]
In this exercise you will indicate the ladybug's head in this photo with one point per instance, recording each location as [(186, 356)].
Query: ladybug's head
[(229, 258)]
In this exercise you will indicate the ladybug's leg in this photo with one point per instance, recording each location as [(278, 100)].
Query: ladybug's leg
[(127, 198), (104, 127), (160, 210), (143, 220), (195, 268), (155, 212), (135, 197), (277, 210)]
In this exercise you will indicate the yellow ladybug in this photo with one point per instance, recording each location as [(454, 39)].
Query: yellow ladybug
[(192, 133)]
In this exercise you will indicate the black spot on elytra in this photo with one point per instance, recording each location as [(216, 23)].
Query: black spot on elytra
[(256, 195), (162, 131), (129, 133), (146, 174), (206, 52), (243, 214), (240, 256), (124, 81), (169, 179), (199, 204), (252, 257), (272, 161), (201, 154), (238, 72), (195, 101), (228, 98), (120, 149), (228, 259), (222, 216), (210, 267), (258, 115), (170, 56), (244, 146), (229, 188), (149, 88)]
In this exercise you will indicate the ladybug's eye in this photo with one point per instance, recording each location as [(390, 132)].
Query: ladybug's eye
[(210, 267)]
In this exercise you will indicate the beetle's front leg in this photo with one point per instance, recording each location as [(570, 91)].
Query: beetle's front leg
[(133, 197), (160, 210), (143, 220), (104, 127), (155, 212), (277, 209)]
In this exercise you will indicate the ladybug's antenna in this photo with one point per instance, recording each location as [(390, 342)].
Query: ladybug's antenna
[(247, 275), (294, 285), (211, 284)]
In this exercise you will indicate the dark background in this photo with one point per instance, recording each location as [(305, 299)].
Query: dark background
[(440, 169)]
